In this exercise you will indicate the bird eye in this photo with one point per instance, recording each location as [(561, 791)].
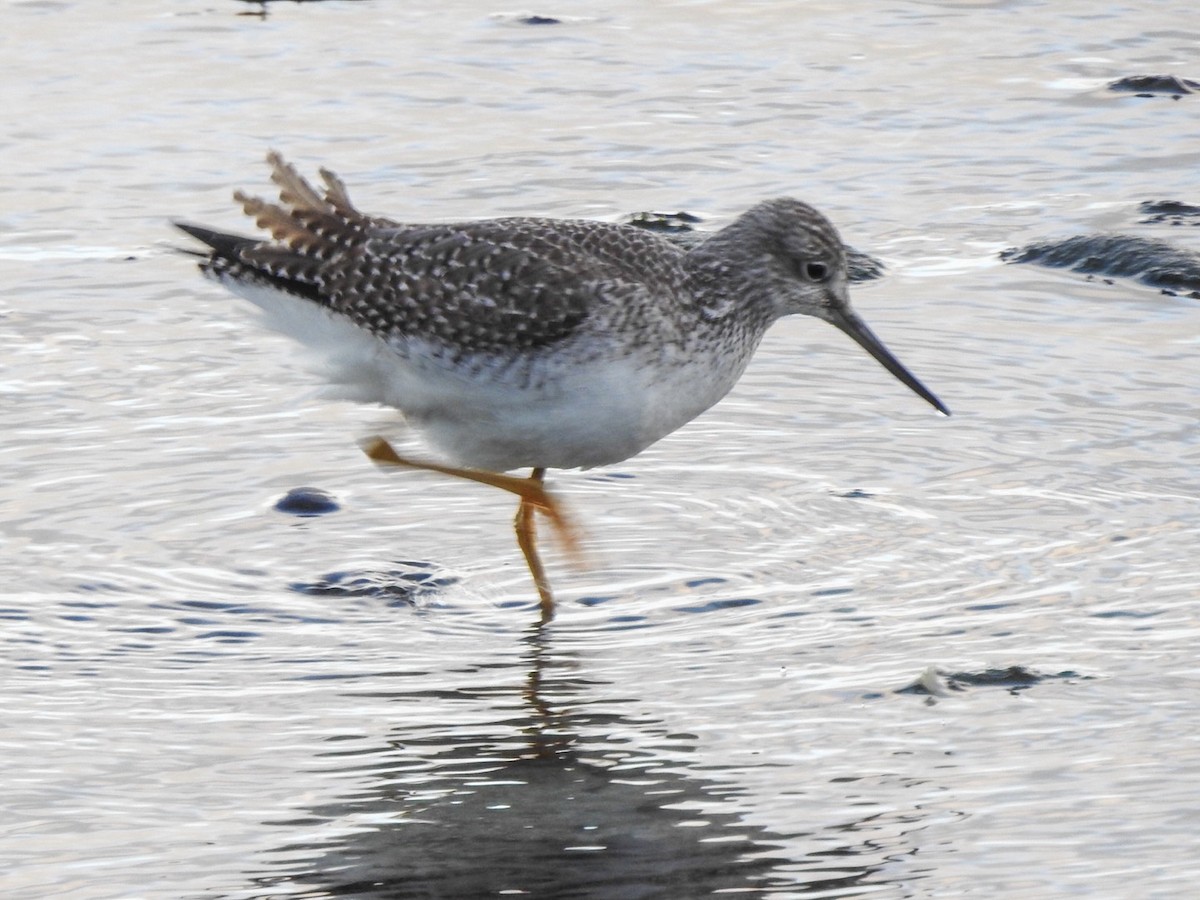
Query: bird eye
[(815, 271)]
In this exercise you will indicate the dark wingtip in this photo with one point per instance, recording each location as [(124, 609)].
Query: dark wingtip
[(221, 243)]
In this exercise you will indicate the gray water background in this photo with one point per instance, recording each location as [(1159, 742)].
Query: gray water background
[(205, 697)]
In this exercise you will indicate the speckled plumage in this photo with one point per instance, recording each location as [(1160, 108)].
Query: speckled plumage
[(526, 341)]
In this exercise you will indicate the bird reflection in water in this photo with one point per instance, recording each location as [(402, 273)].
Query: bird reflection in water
[(557, 796)]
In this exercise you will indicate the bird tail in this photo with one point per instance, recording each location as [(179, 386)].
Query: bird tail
[(304, 220), (308, 228)]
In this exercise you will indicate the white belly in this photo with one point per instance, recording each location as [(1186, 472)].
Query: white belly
[(564, 410), (568, 414)]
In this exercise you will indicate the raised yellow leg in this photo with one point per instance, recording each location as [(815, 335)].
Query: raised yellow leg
[(534, 498)]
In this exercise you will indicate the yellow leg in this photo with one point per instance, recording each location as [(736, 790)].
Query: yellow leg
[(534, 498), (526, 529)]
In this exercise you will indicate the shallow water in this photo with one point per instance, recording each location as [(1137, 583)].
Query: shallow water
[(207, 697)]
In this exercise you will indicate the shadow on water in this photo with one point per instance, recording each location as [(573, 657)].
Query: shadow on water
[(552, 799)]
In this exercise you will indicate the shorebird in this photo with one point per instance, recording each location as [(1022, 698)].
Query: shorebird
[(531, 342)]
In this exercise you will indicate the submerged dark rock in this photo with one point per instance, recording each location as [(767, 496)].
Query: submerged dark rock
[(935, 682), (1152, 262), (1155, 85), (401, 586), (1170, 211), (863, 266), (665, 223), (307, 502)]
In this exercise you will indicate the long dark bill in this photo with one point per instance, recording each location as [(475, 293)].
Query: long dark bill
[(857, 329)]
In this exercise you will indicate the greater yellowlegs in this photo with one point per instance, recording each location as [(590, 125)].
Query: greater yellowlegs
[(530, 342)]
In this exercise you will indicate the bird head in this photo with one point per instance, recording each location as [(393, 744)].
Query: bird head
[(797, 261)]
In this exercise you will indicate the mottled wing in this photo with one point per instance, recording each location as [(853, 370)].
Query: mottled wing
[(485, 286), (474, 287)]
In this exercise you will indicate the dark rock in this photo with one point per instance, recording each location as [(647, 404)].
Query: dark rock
[(1171, 211), (306, 502), (1155, 85), (1155, 263)]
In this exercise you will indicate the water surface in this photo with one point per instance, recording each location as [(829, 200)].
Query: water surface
[(207, 697)]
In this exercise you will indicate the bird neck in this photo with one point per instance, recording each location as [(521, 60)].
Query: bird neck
[(729, 290)]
